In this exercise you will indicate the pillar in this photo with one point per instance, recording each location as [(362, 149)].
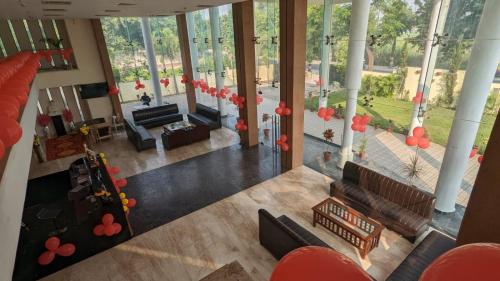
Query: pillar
[(151, 57), (324, 70), (436, 26), (217, 52), (357, 41), (481, 70), (106, 64), (293, 22), (186, 58), (193, 47), (243, 23)]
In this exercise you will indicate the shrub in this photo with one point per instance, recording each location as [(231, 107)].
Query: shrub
[(381, 86)]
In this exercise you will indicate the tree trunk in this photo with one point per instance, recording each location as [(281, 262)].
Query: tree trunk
[(393, 52), (175, 78), (371, 58)]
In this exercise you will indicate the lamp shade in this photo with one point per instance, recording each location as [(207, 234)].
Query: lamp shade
[(318, 264)]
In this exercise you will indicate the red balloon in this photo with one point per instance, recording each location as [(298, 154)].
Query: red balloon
[(99, 230), (418, 132), (109, 230), (327, 118), (107, 219), (9, 109), (285, 147), (322, 112), (283, 138), (287, 111), (330, 111), (480, 159), (46, 257), (2, 149), (356, 119), (10, 99), (365, 119), (477, 261), (52, 243), (473, 152), (282, 104), (355, 126), (423, 143), (10, 131), (362, 128), (411, 140), (66, 250), (279, 110), (131, 203), (115, 170), (117, 227), (121, 183), (317, 263)]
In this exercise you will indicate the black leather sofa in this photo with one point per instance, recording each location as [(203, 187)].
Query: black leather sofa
[(433, 245), (282, 235), (139, 136), (157, 115), (205, 115)]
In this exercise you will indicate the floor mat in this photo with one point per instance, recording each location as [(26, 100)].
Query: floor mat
[(64, 146), (173, 191)]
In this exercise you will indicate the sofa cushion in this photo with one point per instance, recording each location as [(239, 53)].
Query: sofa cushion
[(207, 111), (156, 111), (143, 133)]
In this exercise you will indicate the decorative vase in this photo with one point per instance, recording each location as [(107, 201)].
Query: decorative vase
[(327, 156)]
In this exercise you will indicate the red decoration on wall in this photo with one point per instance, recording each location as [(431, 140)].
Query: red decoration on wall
[(53, 246), (282, 110), (317, 263), (108, 226), (113, 91), (237, 100), (326, 113), (359, 122), (477, 261), (282, 143), (165, 82), (241, 126), (418, 138), (139, 85), (185, 79)]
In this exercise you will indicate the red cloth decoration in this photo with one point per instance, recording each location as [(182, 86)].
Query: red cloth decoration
[(53, 245), (185, 79), (326, 113), (317, 263), (165, 82), (114, 91), (237, 100), (282, 143), (139, 85), (418, 138), (108, 227), (359, 122), (282, 110), (240, 125), (477, 261)]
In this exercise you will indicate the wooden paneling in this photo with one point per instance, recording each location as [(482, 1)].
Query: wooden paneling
[(50, 32), (22, 35), (36, 35), (187, 65), (243, 23), (293, 20), (7, 38), (72, 103), (106, 66), (480, 223)]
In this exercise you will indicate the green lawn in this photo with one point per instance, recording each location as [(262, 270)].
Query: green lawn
[(437, 124)]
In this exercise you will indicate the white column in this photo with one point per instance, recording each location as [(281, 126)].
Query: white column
[(481, 69), (151, 56), (356, 51), (193, 48), (217, 51), (324, 71), (436, 26)]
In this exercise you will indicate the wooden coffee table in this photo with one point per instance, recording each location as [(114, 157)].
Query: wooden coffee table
[(359, 230)]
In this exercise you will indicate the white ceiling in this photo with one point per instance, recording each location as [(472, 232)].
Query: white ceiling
[(34, 9)]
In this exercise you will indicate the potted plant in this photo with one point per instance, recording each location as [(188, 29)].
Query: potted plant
[(265, 119), (362, 148), (413, 169), (328, 134)]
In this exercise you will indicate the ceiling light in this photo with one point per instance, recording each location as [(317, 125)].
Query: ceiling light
[(126, 4)]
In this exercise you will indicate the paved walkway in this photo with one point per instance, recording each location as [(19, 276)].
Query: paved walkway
[(386, 152)]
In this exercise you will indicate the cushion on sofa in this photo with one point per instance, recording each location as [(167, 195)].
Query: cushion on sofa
[(155, 111)]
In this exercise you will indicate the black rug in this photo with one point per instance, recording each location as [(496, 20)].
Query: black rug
[(173, 191)]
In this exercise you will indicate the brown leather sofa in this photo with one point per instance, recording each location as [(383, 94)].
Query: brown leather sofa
[(402, 208)]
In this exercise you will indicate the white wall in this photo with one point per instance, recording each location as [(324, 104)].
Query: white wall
[(100, 107), (13, 187)]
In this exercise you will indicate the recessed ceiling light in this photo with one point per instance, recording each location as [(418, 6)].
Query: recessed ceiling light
[(53, 10), (54, 2)]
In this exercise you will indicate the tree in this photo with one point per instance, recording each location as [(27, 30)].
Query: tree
[(402, 70), (422, 19), (449, 82)]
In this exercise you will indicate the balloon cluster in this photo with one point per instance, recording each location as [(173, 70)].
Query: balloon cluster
[(113, 91), (53, 246), (418, 138), (240, 125), (127, 202), (16, 74), (282, 110), (108, 226), (165, 82), (259, 99), (237, 100), (67, 115), (212, 91), (139, 84), (326, 113), (359, 122), (282, 143), (418, 98), (223, 93), (185, 79)]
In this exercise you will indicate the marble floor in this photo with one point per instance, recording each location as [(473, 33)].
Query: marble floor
[(121, 152), (195, 245)]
